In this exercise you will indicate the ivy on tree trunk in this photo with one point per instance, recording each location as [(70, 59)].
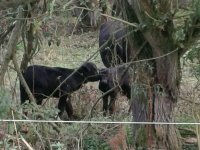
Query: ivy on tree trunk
[(155, 100)]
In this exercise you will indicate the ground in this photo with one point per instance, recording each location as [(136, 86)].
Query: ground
[(72, 52)]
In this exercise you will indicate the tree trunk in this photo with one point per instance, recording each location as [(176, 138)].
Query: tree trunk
[(159, 96), (11, 46), (28, 43)]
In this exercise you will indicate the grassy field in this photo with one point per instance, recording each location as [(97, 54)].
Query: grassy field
[(72, 52)]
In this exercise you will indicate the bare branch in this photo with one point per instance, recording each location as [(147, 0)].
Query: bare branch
[(26, 143), (5, 33), (11, 45), (23, 82), (4, 4)]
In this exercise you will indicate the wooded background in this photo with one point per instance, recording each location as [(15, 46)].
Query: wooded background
[(170, 29)]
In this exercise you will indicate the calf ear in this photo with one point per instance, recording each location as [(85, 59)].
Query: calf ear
[(89, 68), (85, 68)]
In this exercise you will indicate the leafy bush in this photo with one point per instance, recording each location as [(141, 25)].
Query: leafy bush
[(193, 58), (5, 103)]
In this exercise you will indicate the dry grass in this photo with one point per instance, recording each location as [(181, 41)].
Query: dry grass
[(189, 99), (187, 110), (72, 52)]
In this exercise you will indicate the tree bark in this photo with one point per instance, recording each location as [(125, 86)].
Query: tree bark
[(11, 47), (22, 80), (28, 43), (164, 79)]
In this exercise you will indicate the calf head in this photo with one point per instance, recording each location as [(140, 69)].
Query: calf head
[(89, 71)]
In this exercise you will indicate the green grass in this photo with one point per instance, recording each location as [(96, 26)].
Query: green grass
[(72, 52)]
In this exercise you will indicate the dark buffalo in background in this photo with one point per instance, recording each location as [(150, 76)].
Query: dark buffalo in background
[(110, 78), (115, 50), (43, 80), (113, 44)]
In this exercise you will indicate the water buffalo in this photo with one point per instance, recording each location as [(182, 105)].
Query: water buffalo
[(110, 78), (43, 80), (114, 47)]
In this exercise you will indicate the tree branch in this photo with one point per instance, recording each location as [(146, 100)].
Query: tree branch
[(5, 33), (23, 82), (11, 45), (4, 4)]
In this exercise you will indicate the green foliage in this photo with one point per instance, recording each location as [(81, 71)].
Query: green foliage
[(185, 118), (4, 144), (130, 135), (51, 8), (180, 35), (94, 143), (92, 139), (196, 8), (83, 2), (5, 103), (190, 146), (182, 22), (37, 111), (20, 46), (185, 22), (193, 57), (98, 137), (141, 137), (58, 146)]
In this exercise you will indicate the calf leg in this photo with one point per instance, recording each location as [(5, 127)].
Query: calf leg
[(126, 90), (23, 95), (39, 101), (112, 103), (62, 105), (69, 109), (65, 104), (105, 105)]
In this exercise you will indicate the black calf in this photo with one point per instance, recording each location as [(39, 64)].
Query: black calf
[(43, 80), (109, 78)]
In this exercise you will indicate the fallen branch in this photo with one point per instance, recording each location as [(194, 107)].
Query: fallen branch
[(26, 143)]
